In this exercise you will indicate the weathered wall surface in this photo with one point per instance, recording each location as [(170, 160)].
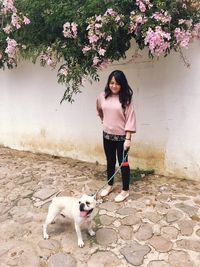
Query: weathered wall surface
[(166, 96)]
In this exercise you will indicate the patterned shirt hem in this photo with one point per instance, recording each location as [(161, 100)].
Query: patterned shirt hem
[(113, 137)]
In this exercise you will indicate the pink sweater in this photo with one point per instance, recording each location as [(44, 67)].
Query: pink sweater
[(115, 120)]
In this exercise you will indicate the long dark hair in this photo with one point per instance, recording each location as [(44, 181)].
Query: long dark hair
[(125, 93)]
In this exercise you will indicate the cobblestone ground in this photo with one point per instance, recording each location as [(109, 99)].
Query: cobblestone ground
[(157, 226)]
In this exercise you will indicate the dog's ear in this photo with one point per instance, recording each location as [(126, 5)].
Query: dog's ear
[(93, 196)]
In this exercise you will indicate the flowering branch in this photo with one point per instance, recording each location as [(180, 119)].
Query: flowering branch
[(82, 38), (13, 21)]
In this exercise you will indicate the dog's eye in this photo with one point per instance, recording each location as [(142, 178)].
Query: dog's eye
[(79, 202), (87, 203)]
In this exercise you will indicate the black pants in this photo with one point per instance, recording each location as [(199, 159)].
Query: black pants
[(113, 148)]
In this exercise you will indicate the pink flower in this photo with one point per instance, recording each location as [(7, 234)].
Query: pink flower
[(96, 60), (93, 39), (110, 12), (181, 21), (182, 37), (158, 41), (117, 19), (109, 38), (15, 21), (86, 49), (141, 5), (162, 16), (101, 52), (66, 25), (26, 20), (9, 6), (139, 19), (98, 25), (49, 61), (63, 71), (74, 29), (136, 21), (70, 30), (11, 47), (98, 18), (7, 29), (88, 27)]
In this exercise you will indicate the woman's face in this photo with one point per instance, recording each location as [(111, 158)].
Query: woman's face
[(114, 86)]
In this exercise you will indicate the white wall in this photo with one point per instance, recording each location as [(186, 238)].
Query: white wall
[(166, 96)]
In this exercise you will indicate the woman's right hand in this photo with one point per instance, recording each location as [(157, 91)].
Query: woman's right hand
[(127, 144)]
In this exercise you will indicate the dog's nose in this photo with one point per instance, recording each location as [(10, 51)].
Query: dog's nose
[(82, 206)]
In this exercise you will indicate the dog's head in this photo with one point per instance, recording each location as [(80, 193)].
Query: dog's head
[(86, 205)]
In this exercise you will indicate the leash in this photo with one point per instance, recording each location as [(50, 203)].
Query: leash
[(123, 163)]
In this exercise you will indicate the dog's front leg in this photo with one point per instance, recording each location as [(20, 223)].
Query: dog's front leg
[(90, 231), (79, 235)]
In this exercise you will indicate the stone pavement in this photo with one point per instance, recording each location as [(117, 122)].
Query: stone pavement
[(157, 226)]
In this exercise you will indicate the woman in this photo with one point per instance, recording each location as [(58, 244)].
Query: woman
[(116, 110)]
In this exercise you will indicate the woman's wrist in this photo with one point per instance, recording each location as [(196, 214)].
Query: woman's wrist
[(128, 136)]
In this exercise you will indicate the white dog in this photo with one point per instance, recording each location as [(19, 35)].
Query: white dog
[(77, 209)]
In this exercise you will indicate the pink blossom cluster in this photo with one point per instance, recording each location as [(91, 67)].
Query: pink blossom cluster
[(16, 20), (111, 13), (7, 29), (48, 58), (98, 40), (162, 16), (136, 21), (143, 5), (183, 37), (8, 6), (11, 48), (70, 30), (158, 41)]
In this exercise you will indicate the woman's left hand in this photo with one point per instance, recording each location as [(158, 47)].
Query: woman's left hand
[(127, 144)]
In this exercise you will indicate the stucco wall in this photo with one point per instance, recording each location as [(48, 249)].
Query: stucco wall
[(166, 96)]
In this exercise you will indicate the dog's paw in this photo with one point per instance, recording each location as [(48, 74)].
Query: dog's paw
[(81, 243), (91, 232), (46, 236)]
